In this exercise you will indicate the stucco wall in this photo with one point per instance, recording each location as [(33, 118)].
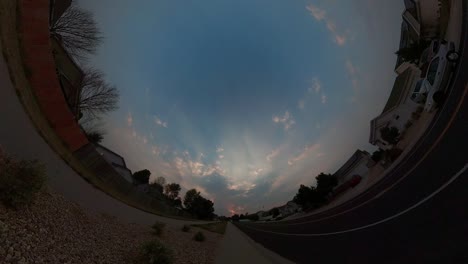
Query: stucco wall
[(41, 72)]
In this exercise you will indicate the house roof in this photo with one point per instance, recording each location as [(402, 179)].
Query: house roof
[(108, 150), (349, 164), (398, 90)]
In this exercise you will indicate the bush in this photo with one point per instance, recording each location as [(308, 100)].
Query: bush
[(20, 181), (199, 236), (186, 228), (158, 228), (154, 252), (408, 124)]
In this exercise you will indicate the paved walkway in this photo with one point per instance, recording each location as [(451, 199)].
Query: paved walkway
[(236, 247), (19, 137)]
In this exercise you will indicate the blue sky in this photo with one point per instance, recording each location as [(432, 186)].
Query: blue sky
[(245, 100)]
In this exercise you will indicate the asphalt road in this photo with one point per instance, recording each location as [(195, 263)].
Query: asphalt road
[(417, 214)]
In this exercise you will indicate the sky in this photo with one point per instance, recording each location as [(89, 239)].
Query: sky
[(244, 100)]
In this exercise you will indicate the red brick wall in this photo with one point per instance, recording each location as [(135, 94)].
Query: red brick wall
[(43, 77)]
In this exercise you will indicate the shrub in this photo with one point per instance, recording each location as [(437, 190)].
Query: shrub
[(154, 252), (20, 181), (199, 236), (158, 228), (186, 228)]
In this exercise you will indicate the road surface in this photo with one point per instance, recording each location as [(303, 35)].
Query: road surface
[(417, 214)]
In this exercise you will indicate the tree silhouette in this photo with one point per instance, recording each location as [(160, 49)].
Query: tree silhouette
[(390, 134), (97, 96), (141, 177), (78, 31)]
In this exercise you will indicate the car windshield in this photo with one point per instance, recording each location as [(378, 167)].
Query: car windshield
[(432, 72), (435, 48)]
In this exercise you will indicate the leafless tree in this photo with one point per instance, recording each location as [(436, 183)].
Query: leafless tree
[(97, 96), (78, 31)]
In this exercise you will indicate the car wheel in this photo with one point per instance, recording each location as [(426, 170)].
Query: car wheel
[(453, 56), (438, 97)]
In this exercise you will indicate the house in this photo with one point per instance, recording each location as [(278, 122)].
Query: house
[(357, 164), (398, 109), (116, 161), (421, 22), (289, 208), (70, 75), (57, 8)]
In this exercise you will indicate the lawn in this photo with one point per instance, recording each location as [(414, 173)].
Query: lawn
[(218, 227)]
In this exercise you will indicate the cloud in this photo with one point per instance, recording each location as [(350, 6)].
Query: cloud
[(256, 172), (287, 120), (159, 122), (317, 13), (353, 73), (273, 154), (219, 149), (321, 16), (301, 104), (304, 154), (129, 119), (316, 85), (323, 99)]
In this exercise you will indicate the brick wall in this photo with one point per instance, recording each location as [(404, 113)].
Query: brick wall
[(42, 72)]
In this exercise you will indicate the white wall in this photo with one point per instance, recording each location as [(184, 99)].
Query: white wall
[(429, 16), (360, 168), (125, 173), (109, 156)]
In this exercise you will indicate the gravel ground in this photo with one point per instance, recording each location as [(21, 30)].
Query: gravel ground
[(54, 230)]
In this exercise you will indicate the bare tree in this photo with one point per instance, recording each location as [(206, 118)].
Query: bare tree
[(97, 96), (78, 31)]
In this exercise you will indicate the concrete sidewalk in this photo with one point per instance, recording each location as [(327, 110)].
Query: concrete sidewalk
[(236, 247)]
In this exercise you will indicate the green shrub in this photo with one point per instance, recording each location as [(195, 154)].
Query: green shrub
[(199, 236), (186, 228), (154, 252), (158, 228), (20, 181)]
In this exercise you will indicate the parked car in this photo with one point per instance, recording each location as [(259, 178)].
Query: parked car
[(429, 53), (438, 75), (420, 91)]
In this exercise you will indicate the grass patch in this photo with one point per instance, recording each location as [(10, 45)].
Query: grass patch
[(20, 181), (154, 252), (199, 236), (218, 227), (158, 228)]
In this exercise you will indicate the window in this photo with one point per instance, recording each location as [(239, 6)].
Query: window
[(432, 72), (435, 47), (417, 88)]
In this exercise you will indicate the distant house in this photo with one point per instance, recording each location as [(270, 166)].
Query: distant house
[(57, 8), (357, 164), (421, 21), (289, 208), (116, 161), (398, 109), (70, 75)]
